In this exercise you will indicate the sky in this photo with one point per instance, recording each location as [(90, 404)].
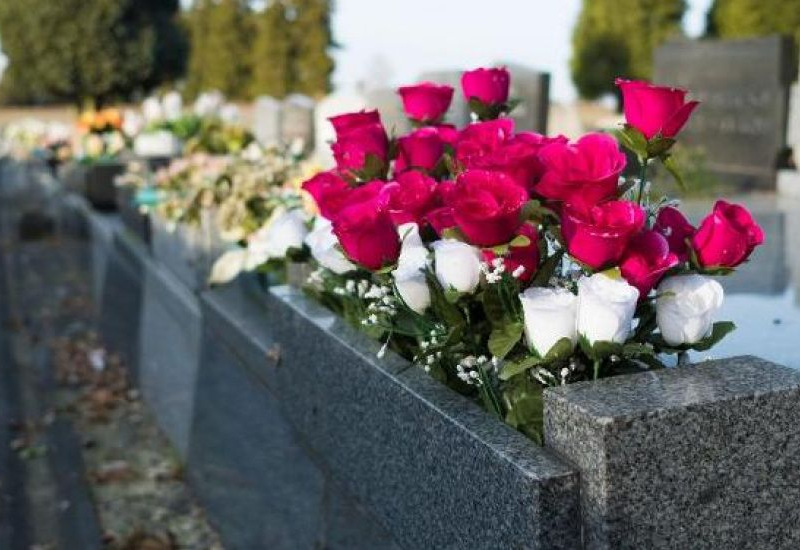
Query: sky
[(390, 42)]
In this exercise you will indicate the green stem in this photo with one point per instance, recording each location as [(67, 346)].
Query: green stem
[(642, 179), (597, 368)]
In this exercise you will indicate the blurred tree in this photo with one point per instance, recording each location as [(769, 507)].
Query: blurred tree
[(271, 53), (747, 18), (618, 38), (86, 50), (220, 32), (311, 62)]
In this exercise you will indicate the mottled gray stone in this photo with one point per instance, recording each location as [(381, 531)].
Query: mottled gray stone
[(169, 352), (432, 467), (706, 456), (102, 228), (532, 89), (134, 220), (100, 189), (297, 120), (267, 120), (188, 251), (123, 296)]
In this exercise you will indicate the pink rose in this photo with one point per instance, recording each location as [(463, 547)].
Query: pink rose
[(598, 237), (676, 228), (727, 236), (486, 206), (421, 148), (426, 102), (655, 110), (365, 229), (583, 173), (329, 192), (646, 260), (490, 86), (354, 146), (410, 197), (482, 138), (447, 132), (526, 257), (348, 121)]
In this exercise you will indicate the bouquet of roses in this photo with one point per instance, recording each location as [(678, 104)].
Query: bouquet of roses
[(505, 262)]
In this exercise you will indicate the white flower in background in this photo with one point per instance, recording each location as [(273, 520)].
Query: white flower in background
[(93, 145), (208, 104), (253, 152), (230, 114), (151, 109), (132, 123), (686, 306), (323, 245), (458, 265), (284, 230), (550, 314), (228, 266), (57, 132), (160, 143), (172, 105), (115, 143), (409, 278), (605, 308)]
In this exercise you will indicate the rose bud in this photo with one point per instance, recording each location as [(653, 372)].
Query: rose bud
[(409, 278), (349, 121), (410, 197), (685, 308), (323, 245), (421, 148), (605, 308), (489, 86), (487, 206), (727, 236), (329, 192), (583, 173), (550, 315), (353, 147), (458, 265), (599, 238), (426, 102), (366, 232), (520, 261), (654, 110), (646, 260), (671, 223)]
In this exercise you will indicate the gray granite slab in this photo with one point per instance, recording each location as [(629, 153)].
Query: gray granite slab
[(706, 456), (432, 467), (102, 228), (169, 352), (123, 298), (185, 250)]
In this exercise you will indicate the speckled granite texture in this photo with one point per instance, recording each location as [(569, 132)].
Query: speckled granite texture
[(706, 456), (433, 468), (102, 228)]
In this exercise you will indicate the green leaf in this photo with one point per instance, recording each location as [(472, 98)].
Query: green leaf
[(658, 146), (511, 369), (632, 139), (669, 163), (534, 211), (560, 351), (546, 270), (718, 332), (503, 338), (520, 241), (452, 295), (454, 233)]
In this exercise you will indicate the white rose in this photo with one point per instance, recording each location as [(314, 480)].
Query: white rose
[(605, 308), (172, 105), (550, 315), (284, 230), (322, 243), (132, 123), (228, 266), (458, 265), (409, 278), (686, 306), (151, 109)]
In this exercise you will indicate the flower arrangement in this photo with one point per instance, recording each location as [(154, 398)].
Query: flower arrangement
[(504, 262), (100, 136), (33, 138)]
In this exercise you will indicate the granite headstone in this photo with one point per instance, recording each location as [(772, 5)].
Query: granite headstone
[(532, 89), (389, 105), (267, 120), (297, 121), (789, 177), (743, 85)]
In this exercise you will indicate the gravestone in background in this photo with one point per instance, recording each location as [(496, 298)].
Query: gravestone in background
[(332, 105), (458, 113), (532, 89), (789, 178), (267, 120), (744, 88), (297, 120), (389, 105)]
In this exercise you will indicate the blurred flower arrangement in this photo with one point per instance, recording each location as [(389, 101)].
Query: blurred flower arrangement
[(100, 137), (504, 262), (33, 138)]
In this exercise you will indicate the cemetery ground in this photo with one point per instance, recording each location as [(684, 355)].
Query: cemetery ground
[(82, 462)]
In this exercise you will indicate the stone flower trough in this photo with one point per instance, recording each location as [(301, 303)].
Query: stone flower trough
[(296, 435)]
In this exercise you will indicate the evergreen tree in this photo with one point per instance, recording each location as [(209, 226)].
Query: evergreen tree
[(197, 24), (618, 38), (311, 37), (271, 52)]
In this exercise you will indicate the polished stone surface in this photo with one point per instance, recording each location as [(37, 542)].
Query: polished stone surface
[(182, 250), (169, 352), (123, 297), (102, 228), (432, 467), (706, 456)]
